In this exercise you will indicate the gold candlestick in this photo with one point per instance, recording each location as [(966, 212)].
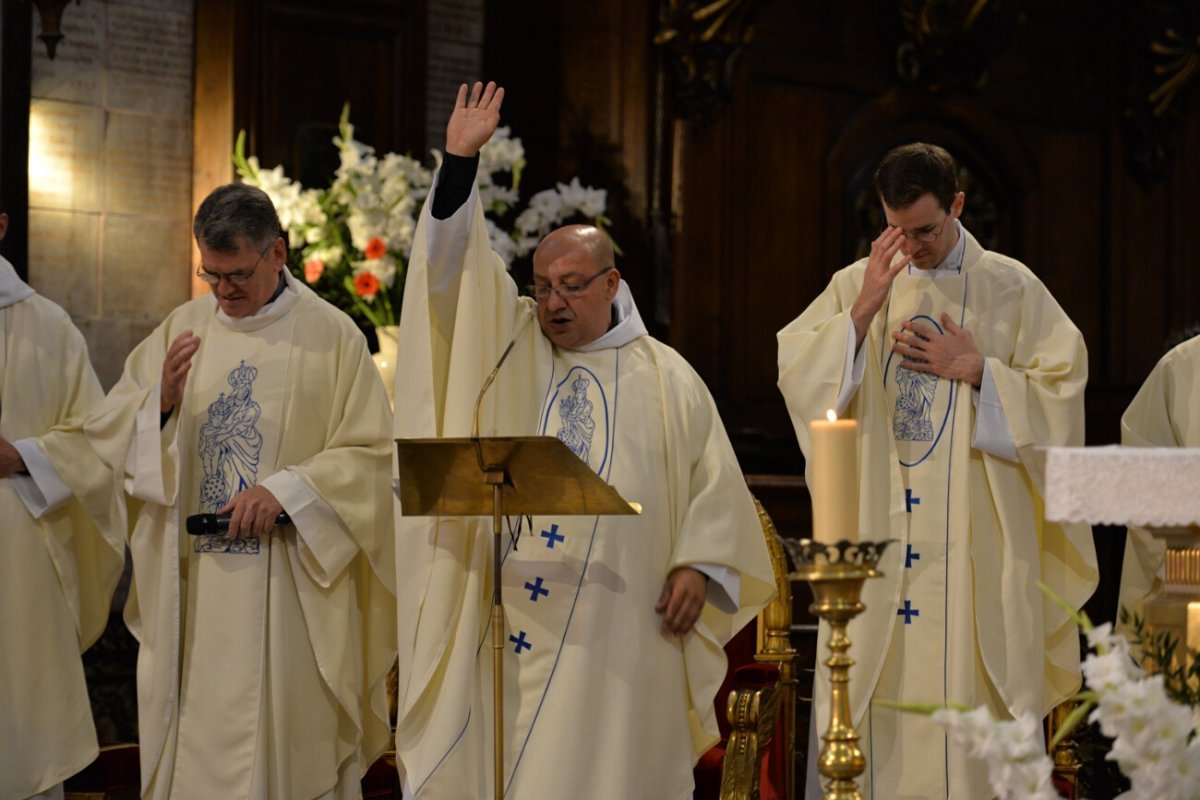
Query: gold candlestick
[(836, 573)]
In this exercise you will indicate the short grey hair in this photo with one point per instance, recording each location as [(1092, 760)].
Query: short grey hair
[(234, 212)]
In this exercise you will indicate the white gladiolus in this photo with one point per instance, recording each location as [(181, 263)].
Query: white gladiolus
[(1155, 741), (371, 209)]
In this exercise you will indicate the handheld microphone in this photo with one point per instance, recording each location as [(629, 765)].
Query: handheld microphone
[(201, 524)]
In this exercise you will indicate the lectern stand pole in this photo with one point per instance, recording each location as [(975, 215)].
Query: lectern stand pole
[(496, 479)]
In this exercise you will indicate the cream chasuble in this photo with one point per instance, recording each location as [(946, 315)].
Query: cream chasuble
[(958, 616), (263, 659), (1165, 413), (57, 571), (598, 702)]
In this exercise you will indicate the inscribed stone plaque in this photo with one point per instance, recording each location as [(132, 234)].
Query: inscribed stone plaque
[(147, 267), (109, 343), (63, 258), (148, 165), (178, 6), (456, 20), (449, 65), (65, 155), (149, 60), (75, 73)]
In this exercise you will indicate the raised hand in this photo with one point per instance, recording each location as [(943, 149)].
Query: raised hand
[(877, 281), (951, 355), (474, 119), (175, 369)]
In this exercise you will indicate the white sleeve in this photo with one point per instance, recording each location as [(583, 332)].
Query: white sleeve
[(446, 240), (724, 585), (326, 549), (852, 372), (42, 490), (153, 457), (992, 433)]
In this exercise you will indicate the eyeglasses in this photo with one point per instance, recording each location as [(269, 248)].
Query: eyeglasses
[(923, 235), (236, 278), (567, 291)]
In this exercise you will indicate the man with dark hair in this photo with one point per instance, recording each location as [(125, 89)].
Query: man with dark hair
[(616, 626), (264, 648), (61, 542), (957, 364)]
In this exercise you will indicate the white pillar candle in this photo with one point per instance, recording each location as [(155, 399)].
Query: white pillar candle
[(833, 479)]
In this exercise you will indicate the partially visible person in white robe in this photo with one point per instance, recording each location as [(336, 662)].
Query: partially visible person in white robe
[(614, 625), (61, 542), (264, 651), (957, 364), (1164, 413)]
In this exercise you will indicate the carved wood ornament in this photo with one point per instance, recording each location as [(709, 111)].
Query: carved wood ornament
[(951, 43), (702, 42)]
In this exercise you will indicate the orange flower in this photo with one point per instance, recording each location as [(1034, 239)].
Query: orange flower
[(375, 248), (367, 285), (313, 269)]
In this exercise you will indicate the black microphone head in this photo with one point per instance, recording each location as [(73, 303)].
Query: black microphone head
[(200, 524)]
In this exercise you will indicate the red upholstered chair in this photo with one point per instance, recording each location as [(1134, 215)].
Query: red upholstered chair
[(114, 775), (756, 705)]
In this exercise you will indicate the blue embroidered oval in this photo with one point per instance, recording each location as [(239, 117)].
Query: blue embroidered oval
[(917, 403), (581, 405)]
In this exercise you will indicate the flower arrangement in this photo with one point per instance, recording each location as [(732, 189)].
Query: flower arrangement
[(1155, 741), (351, 241)]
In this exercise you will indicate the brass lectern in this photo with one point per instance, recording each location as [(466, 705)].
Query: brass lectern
[(498, 477)]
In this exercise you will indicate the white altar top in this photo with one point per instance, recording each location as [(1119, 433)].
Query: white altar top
[(1147, 487)]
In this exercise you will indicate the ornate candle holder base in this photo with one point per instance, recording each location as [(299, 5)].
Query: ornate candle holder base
[(1176, 609), (836, 574)]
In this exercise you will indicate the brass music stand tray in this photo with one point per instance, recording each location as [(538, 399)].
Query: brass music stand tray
[(500, 476)]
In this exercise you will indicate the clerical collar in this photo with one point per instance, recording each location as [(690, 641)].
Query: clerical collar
[(628, 327), (279, 287), (12, 288), (952, 264), (279, 304)]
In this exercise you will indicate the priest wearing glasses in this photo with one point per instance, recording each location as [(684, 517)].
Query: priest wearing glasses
[(957, 363), (264, 647), (615, 625)]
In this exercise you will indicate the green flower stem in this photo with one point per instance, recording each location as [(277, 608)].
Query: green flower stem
[(1081, 618), (376, 317), (1087, 703), (239, 159), (925, 709)]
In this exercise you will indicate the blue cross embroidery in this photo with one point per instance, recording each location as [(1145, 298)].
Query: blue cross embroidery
[(520, 642), (910, 556), (536, 590), (552, 536), (910, 501), (908, 612)]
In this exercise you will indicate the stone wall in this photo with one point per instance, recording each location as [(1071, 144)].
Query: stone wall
[(110, 165)]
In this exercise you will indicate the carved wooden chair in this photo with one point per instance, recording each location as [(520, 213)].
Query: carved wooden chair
[(1065, 754), (757, 703)]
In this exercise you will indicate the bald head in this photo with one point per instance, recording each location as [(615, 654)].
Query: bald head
[(586, 239), (575, 264)]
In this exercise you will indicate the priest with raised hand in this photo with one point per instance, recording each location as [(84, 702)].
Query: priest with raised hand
[(62, 542), (614, 625), (264, 648), (1164, 413), (957, 364)]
